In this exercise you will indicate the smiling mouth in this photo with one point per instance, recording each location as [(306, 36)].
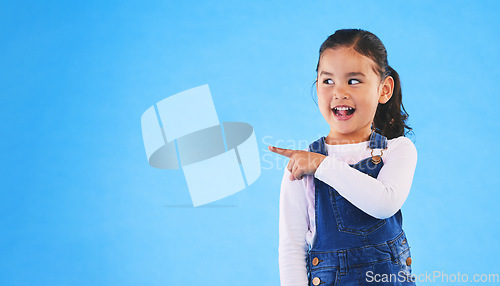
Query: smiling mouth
[(343, 111)]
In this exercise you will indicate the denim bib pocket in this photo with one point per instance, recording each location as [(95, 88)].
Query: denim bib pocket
[(350, 218)]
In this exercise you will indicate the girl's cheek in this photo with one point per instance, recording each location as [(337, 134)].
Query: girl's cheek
[(324, 96), (323, 103)]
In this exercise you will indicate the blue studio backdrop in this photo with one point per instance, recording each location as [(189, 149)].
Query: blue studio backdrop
[(80, 205)]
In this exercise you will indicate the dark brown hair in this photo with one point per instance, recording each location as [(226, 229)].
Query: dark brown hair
[(390, 118)]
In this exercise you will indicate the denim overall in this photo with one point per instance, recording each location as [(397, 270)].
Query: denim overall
[(351, 247)]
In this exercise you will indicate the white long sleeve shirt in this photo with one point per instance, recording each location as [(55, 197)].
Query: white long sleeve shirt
[(379, 197)]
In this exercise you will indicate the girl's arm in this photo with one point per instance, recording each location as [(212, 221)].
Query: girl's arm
[(381, 197), (293, 226)]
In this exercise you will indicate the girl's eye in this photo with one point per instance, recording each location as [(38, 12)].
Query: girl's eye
[(328, 81), (354, 81)]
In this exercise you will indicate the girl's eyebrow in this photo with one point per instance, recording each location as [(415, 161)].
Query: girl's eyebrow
[(355, 74), (347, 74)]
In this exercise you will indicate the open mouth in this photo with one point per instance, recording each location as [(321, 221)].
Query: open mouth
[(343, 112)]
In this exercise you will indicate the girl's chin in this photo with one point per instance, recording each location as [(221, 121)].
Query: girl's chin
[(343, 130), (345, 124)]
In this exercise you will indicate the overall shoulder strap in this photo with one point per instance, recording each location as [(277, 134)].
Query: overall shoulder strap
[(377, 141), (318, 146)]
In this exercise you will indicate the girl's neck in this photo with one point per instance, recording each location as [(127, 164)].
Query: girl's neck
[(335, 138)]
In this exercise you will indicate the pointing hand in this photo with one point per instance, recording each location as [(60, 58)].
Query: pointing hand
[(301, 163)]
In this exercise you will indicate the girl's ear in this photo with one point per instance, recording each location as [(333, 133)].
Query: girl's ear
[(386, 90)]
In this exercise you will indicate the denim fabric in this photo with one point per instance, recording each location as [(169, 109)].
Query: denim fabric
[(351, 247)]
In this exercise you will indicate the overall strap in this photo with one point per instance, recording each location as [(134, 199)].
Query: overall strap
[(318, 146), (377, 141)]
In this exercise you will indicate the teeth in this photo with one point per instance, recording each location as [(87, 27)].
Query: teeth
[(343, 108)]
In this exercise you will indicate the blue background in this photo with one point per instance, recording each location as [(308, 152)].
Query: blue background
[(79, 204)]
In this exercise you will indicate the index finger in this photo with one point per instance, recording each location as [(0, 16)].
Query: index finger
[(285, 152)]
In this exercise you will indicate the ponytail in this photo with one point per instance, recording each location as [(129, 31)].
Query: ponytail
[(390, 118)]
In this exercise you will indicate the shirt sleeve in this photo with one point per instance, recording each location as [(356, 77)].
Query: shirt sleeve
[(293, 225), (379, 197)]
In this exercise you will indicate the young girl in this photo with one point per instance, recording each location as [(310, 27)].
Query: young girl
[(340, 218)]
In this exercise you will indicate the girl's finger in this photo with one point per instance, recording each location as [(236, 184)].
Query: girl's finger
[(295, 169), (285, 152), (290, 165), (300, 175)]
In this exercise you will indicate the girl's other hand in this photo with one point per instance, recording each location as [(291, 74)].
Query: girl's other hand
[(301, 163)]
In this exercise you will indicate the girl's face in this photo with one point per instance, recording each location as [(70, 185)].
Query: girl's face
[(349, 90)]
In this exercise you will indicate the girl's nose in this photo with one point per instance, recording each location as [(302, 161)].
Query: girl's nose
[(340, 93)]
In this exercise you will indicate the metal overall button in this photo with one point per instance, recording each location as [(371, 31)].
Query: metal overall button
[(316, 281), (316, 261), (408, 261), (378, 158)]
